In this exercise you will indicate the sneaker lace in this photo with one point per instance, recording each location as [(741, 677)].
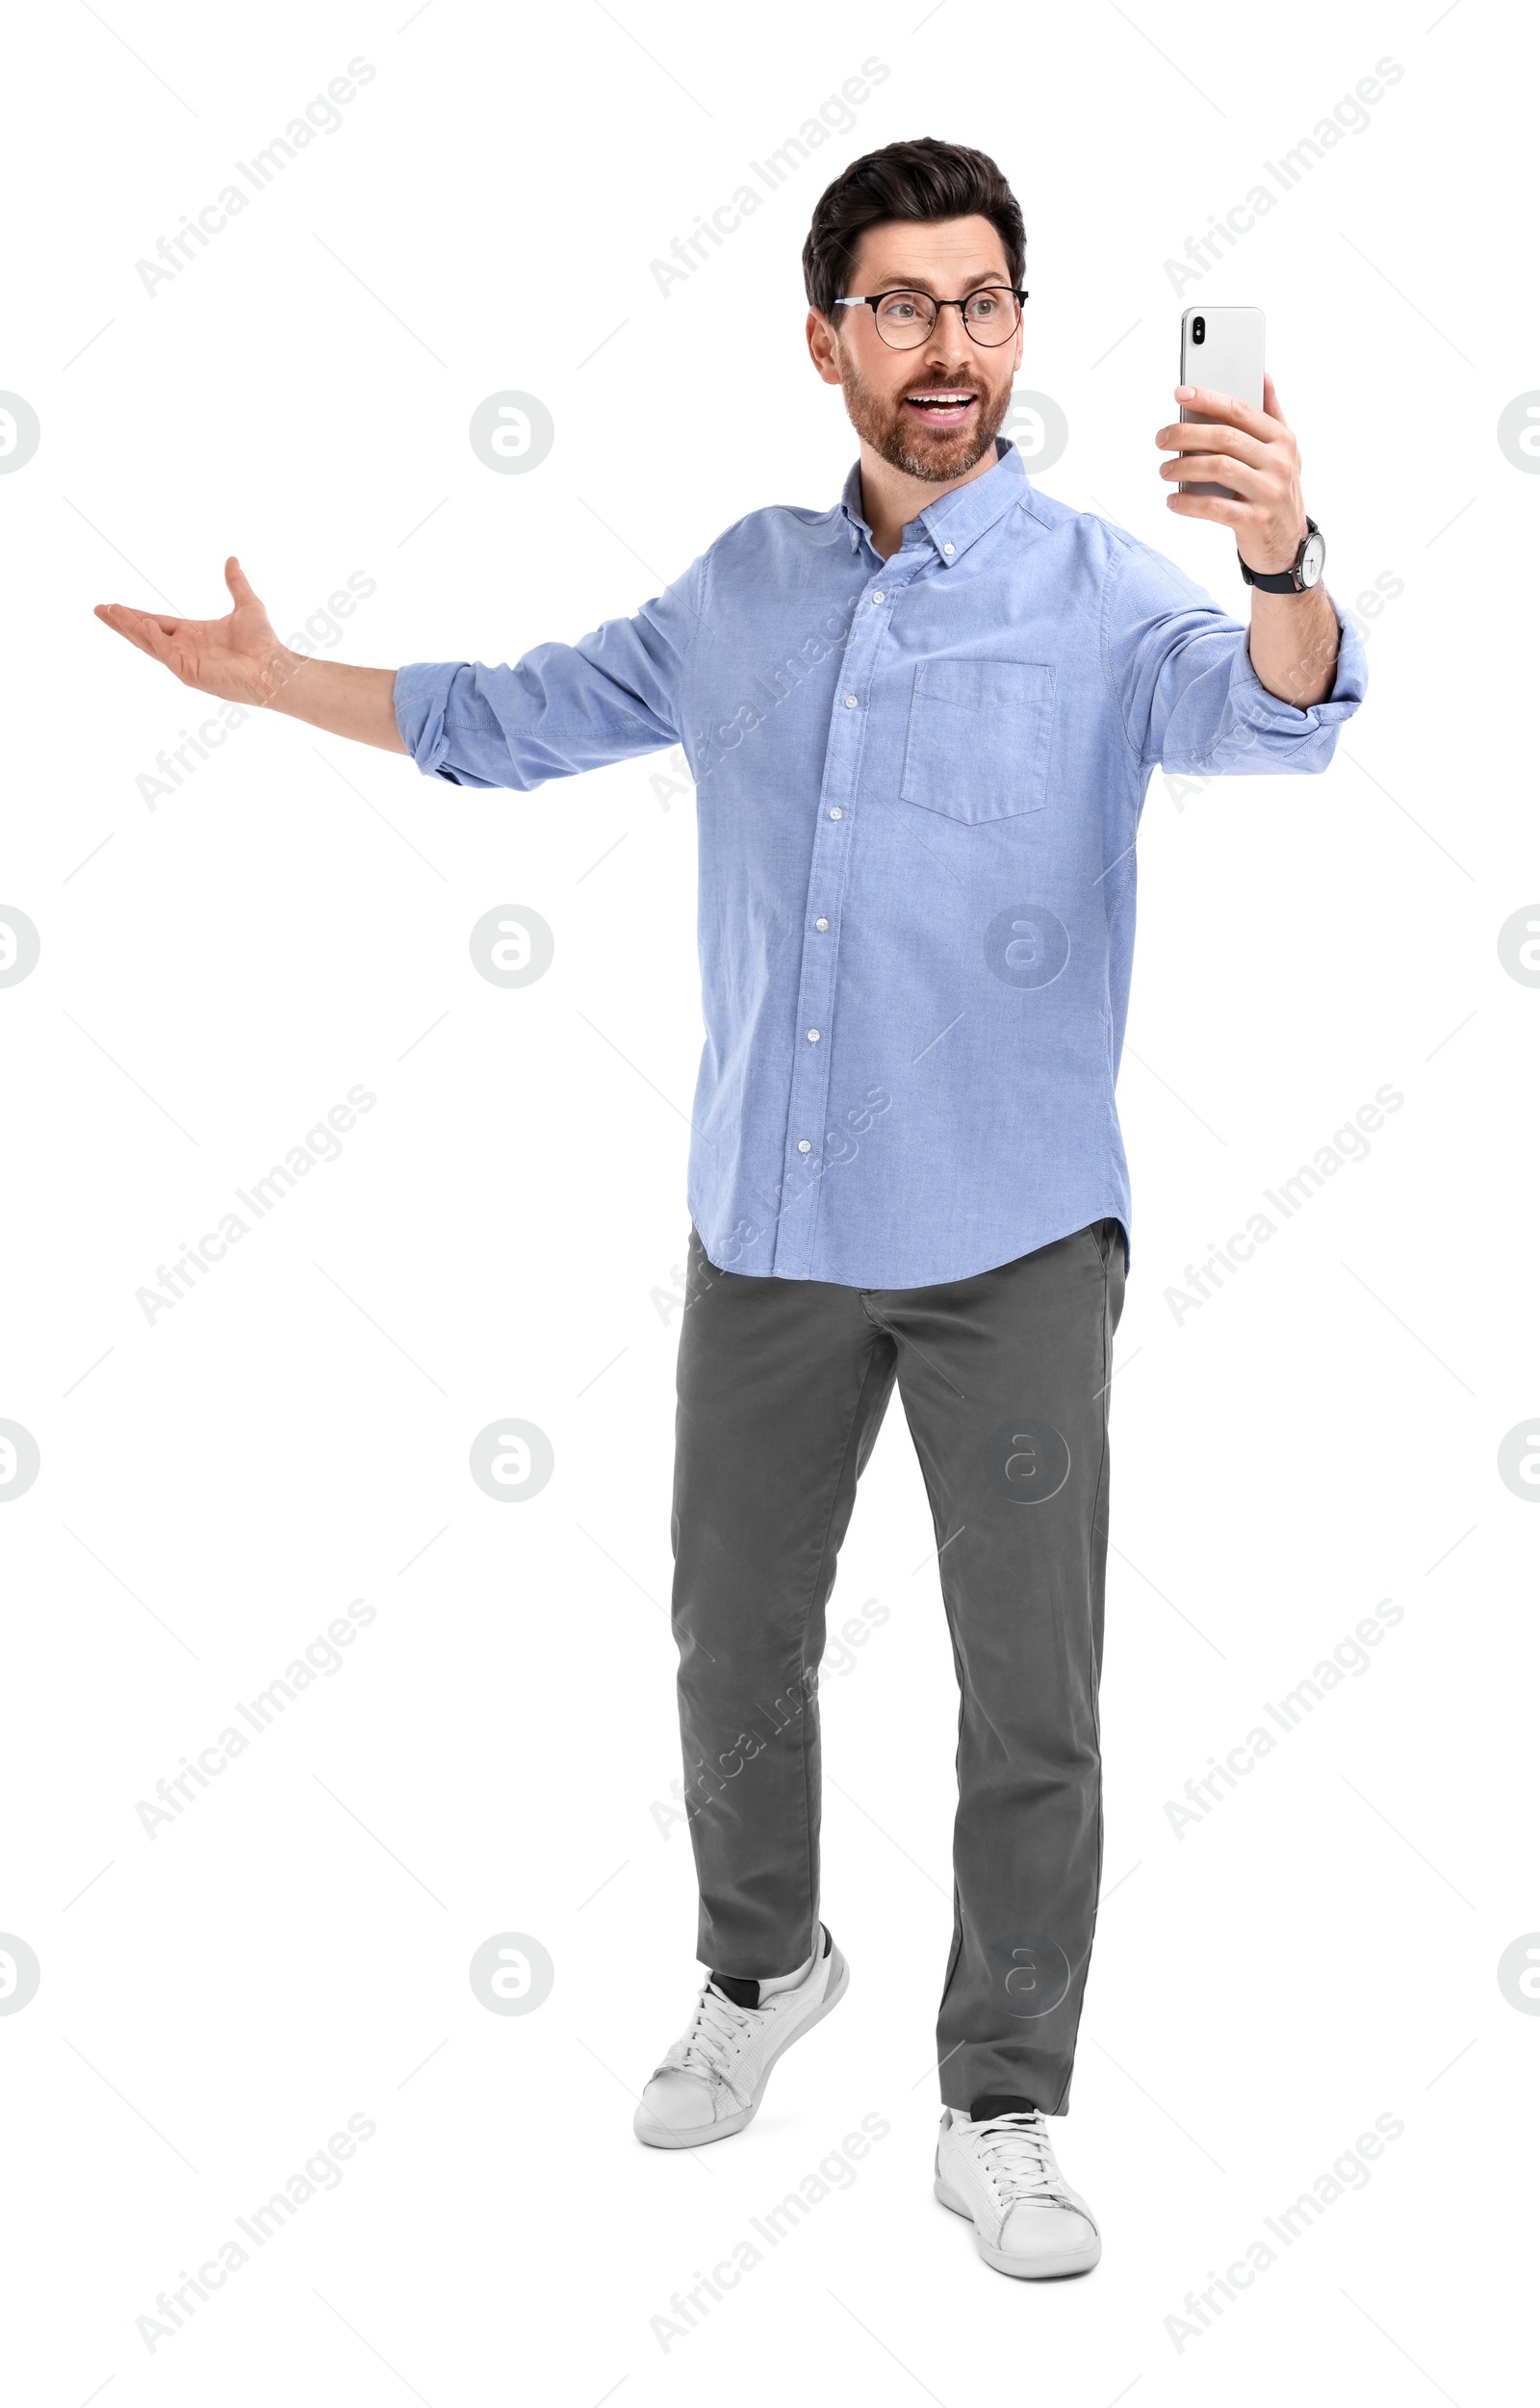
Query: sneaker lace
[(1016, 2154), (715, 2029)]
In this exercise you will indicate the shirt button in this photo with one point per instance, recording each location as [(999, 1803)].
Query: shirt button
[(877, 597), (803, 1146), (949, 549), (834, 811), (813, 1035), (820, 925), (850, 702)]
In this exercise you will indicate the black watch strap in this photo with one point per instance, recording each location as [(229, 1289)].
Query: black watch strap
[(1282, 581)]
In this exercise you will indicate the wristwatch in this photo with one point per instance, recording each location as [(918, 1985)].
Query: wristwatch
[(1302, 572)]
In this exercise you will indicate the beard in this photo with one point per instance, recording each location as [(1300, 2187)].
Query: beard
[(928, 454)]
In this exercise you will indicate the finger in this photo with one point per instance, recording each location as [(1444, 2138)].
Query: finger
[(1192, 437), (1270, 402), (1208, 506), (238, 583), (1213, 469), (1225, 409), (149, 634), (112, 612), (114, 616)]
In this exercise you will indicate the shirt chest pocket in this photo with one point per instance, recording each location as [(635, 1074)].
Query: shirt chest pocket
[(979, 733)]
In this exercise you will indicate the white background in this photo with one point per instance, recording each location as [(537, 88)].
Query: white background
[(216, 972)]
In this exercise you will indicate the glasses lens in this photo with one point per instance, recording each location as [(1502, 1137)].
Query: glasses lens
[(905, 318), (993, 315)]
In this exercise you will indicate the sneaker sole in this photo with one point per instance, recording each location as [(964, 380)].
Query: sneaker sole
[(1044, 2270), (659, 2136)]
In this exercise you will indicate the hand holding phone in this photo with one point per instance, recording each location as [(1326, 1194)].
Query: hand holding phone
[(1282, 551)]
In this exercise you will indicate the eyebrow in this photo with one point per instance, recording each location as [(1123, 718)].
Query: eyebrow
[(921, 284)]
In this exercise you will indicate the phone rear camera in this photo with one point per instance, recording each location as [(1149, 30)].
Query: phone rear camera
[(1197, 329)]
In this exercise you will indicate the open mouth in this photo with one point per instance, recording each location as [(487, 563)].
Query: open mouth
[(945, 406)]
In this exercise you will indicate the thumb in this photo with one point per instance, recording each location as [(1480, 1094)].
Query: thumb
[(1270, 402), (235, 578)]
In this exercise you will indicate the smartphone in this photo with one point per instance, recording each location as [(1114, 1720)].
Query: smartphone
[(1221, 348)]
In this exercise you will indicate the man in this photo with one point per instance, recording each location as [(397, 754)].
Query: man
[(921, 725)]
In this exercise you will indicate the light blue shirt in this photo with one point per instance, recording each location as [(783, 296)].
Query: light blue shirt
[(918, 786)]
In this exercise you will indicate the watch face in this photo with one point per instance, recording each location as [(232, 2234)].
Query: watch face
[(1312, 559)]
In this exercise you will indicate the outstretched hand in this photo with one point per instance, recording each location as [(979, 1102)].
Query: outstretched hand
[(237, 659)]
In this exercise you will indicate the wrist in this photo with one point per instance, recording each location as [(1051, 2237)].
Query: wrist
[(1299, 574), (1278, 554), (279, 671)]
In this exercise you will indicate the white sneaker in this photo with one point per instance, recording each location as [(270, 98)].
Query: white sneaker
[(713, 2078), (1002, 2173)]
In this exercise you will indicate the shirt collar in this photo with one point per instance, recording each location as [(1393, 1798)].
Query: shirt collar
[(962, 516)]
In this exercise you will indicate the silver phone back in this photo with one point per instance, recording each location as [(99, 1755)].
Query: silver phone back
[(1228, 360)]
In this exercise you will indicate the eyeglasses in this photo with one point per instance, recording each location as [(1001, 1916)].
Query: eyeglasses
[(904, 320)]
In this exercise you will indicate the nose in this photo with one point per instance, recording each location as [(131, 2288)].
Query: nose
[(949, 337)]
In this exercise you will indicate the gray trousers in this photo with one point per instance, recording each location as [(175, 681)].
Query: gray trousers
[(782, 1385)]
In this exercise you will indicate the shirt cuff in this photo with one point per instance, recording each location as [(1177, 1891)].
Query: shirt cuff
[(420, 698), (1254, 706)]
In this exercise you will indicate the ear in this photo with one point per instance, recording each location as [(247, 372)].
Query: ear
[(823, 346)]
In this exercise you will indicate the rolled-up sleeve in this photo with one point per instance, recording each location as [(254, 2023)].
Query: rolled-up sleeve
[(562, 707), (1187, 693)]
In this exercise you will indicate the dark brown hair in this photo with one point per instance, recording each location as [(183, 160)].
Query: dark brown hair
[(919, 181)]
